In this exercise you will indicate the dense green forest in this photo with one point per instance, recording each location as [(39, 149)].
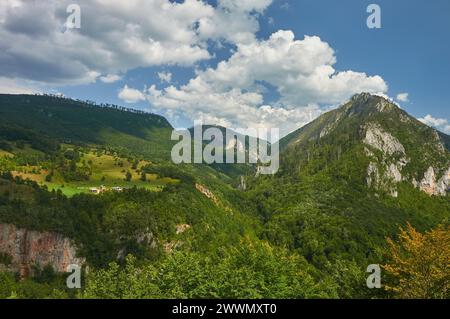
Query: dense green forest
[(189, 231)]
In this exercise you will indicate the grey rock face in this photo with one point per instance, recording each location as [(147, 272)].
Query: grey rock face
[(373, 175), (443, 185), (382, 140), (432, 186), (428, 183)]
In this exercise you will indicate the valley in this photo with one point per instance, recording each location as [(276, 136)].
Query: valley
[(348, 181)]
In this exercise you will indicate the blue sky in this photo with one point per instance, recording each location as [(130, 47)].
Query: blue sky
[(409, 54), (410, 51)]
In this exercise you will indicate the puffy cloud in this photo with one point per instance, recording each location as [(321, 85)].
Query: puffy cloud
[(165, 77), (110, 78), (130, 95), (115, 35), (234, 108), (438, 123), (235, 21), (430, 120), (300, 70), (403, 97)]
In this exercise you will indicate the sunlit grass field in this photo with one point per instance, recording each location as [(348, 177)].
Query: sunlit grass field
[(107, 170)]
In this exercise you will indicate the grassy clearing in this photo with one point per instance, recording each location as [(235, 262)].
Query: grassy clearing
[(6, 154), (107, 170), (71, 189)]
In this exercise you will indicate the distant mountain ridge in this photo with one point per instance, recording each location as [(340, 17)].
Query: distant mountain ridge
[(60, 120)]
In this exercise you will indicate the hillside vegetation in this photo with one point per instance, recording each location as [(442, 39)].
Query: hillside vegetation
[(189, 231)]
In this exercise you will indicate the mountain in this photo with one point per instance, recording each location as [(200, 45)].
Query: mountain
[(392, 145), (347, 180), (48, 121), (351, 178), (241, 147)]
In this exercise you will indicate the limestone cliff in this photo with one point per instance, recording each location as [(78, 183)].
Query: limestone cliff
[(432, 186), (393, 159), (32, 248)]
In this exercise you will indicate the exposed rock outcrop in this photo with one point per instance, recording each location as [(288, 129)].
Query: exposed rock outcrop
[(428, 183), (373, 175), (202, 189), (443, 185), (172, 245), (181, 228), (440, 146), (393, 173), (330, 127), (431, 186), (384, 106), (382, 140), (389, 146), (386, 181), (32, 248), (145, 239)]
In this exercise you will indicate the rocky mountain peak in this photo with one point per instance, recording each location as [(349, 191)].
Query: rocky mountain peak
[(366, 104), (395, 146), (362, 97)]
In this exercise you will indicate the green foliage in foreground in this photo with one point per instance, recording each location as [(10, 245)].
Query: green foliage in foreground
[(250, 270), (33, 288)]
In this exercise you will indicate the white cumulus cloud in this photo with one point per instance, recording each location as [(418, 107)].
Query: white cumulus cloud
[(110, 78), (300, 70), (130, 95), (438, 123), (402, 97), (115, 35)]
